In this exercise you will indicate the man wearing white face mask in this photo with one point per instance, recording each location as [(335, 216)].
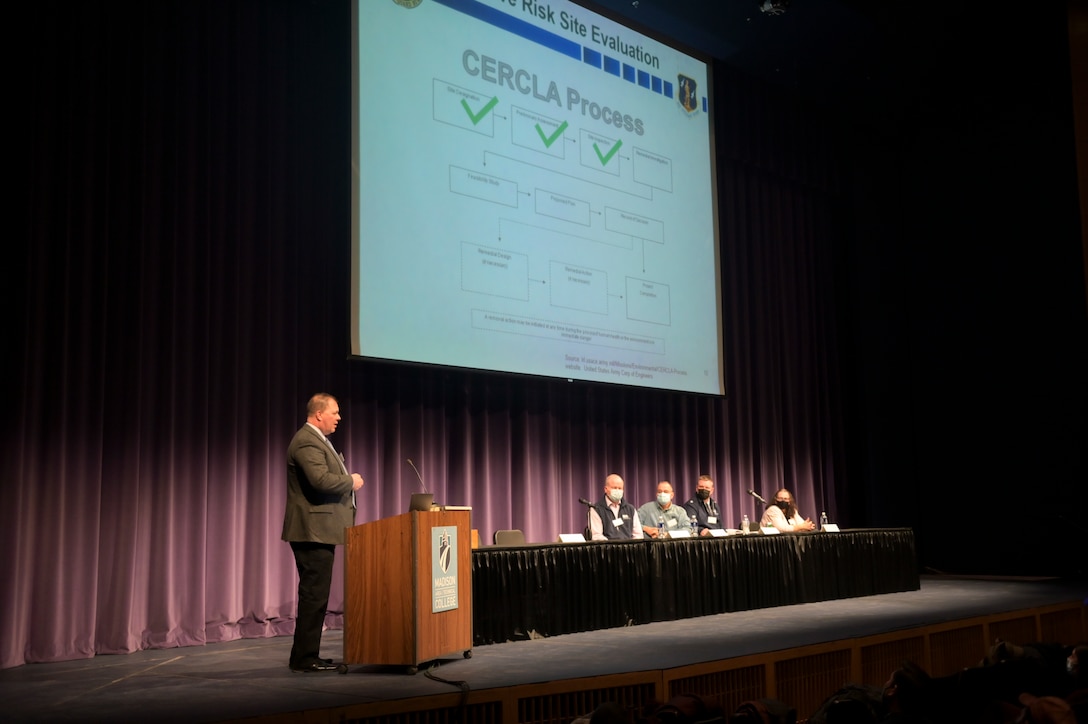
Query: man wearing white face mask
[(662, 514), (613, 518)]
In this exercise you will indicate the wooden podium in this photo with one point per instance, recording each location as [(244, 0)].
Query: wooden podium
[(393, 583)]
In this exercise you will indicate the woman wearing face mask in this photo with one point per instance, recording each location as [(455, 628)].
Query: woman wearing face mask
[(783, 515)]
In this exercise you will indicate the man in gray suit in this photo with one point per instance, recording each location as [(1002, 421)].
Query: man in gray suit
[(320, 505)]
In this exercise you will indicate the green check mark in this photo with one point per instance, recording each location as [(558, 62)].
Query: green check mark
[(477, 117), (608, 156), (549, 140)]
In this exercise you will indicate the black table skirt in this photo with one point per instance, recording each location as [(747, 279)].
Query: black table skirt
[(566, 588)]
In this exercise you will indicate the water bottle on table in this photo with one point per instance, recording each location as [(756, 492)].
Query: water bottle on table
[(744, 524)]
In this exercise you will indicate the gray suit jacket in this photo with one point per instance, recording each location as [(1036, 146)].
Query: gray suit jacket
[(319, 501)]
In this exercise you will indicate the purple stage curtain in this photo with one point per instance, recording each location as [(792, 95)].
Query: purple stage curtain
[(180, 289)]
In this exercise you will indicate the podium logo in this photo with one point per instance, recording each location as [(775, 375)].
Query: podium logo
[(445, 552)]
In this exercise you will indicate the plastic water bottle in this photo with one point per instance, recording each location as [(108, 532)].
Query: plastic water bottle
[(744, 524), (661, 528), (823, 521), (694, 527)]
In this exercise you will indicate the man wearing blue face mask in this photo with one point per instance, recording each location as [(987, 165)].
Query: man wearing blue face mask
[(661, 515), (613, 518)]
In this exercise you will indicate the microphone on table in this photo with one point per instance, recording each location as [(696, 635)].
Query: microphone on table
[(583, 501), (757, 496)]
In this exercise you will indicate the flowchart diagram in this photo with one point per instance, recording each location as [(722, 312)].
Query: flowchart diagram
[(571, 158)]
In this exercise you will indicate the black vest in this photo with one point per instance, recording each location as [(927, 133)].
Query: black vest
[(611, 532)]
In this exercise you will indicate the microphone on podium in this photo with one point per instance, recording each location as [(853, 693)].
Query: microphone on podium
[(421, 483)]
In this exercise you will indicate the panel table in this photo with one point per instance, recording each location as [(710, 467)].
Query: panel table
[(566, 588)]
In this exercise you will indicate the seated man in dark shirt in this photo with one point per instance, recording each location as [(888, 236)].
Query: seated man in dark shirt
[(703, 507)]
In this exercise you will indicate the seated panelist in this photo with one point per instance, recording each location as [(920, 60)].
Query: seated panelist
[(613, 518), (662, 513), (783, 515), (703, 507)]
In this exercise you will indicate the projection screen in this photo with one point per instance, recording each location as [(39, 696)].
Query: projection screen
[(533, 192)]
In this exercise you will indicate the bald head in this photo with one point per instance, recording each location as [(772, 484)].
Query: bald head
[(613, 487)]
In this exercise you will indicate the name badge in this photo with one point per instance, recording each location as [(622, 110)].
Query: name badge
[(617, 522), (671, 522), (711, 519)]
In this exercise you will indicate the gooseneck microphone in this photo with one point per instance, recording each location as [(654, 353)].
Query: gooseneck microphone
[(421, 483), (583, 501), (757, 496)]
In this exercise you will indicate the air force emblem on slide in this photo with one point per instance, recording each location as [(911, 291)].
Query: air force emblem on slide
[(688, 94)]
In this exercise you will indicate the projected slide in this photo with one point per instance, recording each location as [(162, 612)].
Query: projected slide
[(534, 193)]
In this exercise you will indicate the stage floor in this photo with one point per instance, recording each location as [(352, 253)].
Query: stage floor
[(250, 678)]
